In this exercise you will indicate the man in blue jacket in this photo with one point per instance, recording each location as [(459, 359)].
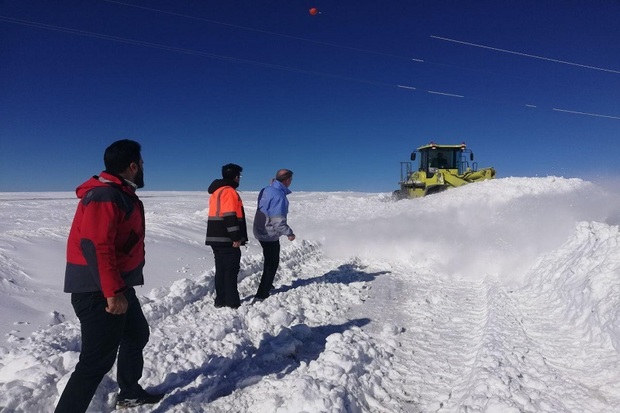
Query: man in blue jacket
[(270, 224)]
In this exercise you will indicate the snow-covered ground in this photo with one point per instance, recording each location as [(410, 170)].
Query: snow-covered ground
[(502, 296)]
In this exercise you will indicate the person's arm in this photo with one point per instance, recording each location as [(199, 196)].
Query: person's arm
[(277, 216), (229, 203)]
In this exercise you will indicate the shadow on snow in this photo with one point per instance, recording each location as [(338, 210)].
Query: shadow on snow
[(278, 355), (345, 274)]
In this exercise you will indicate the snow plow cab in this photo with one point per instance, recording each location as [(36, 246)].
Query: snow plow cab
[(440, 167)]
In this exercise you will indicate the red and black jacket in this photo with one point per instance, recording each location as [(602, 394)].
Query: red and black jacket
[(105, 249)]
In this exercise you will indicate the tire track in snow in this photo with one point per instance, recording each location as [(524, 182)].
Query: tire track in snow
[(463, 346), (512, 372), (468, 350), (441, 329), (483, 347), (498, 379)]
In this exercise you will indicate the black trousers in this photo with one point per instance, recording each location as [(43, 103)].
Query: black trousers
[(103, 336), (227, 265), (271, 254)]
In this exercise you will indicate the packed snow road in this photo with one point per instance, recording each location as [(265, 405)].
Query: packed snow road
[(501, 297)]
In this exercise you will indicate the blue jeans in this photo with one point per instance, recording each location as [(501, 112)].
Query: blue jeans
[(104, 336)]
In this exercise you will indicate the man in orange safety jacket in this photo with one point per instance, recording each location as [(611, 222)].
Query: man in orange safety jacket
[(226, 233)]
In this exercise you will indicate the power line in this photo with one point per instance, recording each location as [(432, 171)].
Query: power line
[(251, 29), (249, 62), (374, 52), (330, 44), (434, 92), (299, 38), (526, 55), (183, 50), (598, 115)]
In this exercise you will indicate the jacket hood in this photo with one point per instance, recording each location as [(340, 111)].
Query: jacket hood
[(103, 179), (219, 183)]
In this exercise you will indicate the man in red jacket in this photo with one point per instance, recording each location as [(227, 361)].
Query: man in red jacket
[(105, 258)]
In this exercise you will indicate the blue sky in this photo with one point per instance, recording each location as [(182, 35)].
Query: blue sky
[(532, 87)]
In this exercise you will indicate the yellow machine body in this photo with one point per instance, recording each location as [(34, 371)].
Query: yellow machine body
[(439, 167)]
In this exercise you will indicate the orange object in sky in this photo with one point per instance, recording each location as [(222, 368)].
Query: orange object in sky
[(313, 11)]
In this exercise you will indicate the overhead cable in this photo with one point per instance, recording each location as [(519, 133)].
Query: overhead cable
[(526, 55)]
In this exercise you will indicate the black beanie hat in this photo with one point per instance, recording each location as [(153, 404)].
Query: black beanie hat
[(231, 171)]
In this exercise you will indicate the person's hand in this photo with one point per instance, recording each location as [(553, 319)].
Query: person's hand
[(236, 244), (117, 304), (291, 237)]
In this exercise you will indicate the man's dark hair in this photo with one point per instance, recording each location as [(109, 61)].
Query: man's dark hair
[(231, 171), (120, 155), (283, 175)]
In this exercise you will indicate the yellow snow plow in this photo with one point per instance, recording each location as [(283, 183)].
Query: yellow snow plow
[(440, 167)]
